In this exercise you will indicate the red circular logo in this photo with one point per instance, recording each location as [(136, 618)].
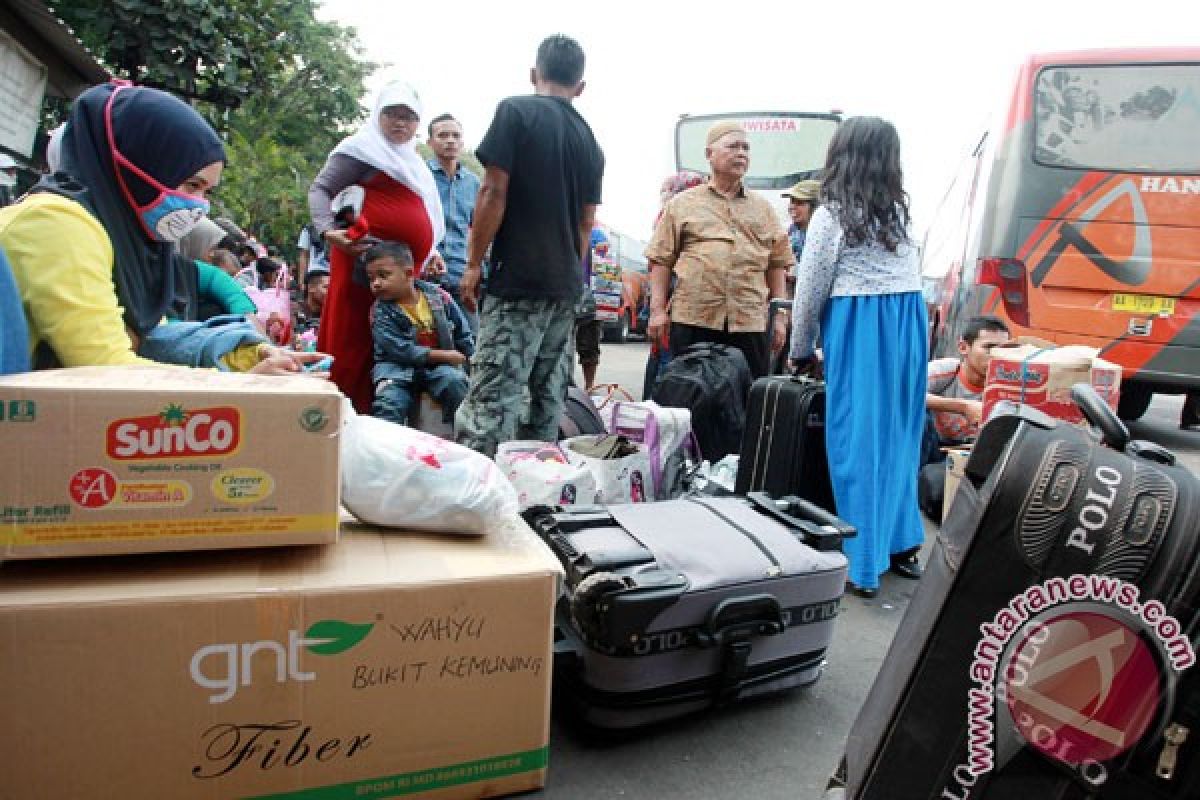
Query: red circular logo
[(1082, 686), (93, 487)]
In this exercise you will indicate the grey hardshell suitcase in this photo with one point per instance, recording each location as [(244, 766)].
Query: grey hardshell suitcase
[(673, 607)]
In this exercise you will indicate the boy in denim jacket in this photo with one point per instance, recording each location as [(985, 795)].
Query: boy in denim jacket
[(422, 338)]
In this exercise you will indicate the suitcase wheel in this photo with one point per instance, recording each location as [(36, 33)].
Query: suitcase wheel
[(587, 606)]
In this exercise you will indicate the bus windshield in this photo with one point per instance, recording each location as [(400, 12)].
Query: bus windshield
[(785, 147), (1119, 118)]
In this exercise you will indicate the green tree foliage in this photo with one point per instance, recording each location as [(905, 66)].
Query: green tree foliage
[(281, 86), (215, 51)]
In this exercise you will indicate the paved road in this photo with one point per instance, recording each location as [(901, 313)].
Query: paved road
[(783, 747)]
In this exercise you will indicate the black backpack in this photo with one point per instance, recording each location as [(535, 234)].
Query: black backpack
[(712, 381)]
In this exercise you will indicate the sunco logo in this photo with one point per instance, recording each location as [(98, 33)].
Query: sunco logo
[(174, 432), (225, 668)]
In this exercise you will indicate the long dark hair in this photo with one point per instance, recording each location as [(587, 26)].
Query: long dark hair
[(863, 185)]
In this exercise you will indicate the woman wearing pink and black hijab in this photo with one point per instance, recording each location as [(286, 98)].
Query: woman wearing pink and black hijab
[(93, 246)]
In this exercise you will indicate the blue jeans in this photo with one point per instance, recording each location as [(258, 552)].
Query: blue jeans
[(444, 383)]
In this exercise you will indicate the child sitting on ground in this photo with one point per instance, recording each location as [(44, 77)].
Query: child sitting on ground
[(422, 338)]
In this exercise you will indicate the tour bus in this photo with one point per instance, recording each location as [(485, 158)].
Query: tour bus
[(1078, 219)]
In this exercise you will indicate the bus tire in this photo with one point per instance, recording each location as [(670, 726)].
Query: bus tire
[(1135, 399)]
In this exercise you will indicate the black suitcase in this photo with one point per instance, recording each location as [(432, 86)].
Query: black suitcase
[(1032, 664), (711, 381), (783, 445), (674, 607)]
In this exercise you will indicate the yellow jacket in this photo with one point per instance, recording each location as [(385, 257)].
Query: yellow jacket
[(62, 261)]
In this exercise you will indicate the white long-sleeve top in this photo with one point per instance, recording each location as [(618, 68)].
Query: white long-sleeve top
[(831, 268)]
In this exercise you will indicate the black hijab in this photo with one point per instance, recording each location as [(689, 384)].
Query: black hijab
[(169, 141)]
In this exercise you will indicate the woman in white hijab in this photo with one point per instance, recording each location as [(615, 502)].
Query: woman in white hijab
[(400, 204)]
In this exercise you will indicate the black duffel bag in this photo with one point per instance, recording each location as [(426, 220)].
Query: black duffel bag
[(712, 381)]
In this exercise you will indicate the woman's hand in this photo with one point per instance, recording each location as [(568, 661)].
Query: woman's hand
[(809, 367), (342, 241), (277, 361)]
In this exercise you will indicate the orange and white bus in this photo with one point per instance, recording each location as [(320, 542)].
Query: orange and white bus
[(1078, 219)]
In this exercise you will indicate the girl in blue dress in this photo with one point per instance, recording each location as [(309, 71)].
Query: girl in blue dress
[(859, 280)]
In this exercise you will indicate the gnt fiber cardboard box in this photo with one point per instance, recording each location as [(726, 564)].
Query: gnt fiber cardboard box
[(387, 665), (123, 460)]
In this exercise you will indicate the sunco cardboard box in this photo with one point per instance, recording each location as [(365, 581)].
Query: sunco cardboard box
[(387, 665), (1042, 377), (105, 460)]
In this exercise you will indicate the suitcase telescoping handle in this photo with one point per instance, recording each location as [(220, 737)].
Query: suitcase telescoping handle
[(779, 361), (1097, 412), (1113, 431), (822, 530)]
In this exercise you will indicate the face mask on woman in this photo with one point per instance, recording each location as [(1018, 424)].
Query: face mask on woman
[(172, 214)]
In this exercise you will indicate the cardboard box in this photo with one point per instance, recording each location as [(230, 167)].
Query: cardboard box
[(1042, 377), (956, 463), (386, 665), (104, 460)]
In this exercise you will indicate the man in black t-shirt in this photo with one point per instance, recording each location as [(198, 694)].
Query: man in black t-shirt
[(536, 209)]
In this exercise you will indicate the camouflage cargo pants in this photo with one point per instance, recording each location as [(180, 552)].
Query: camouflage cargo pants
[(522, 343)]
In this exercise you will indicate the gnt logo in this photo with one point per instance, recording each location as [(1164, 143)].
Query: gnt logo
[(1082, 687), (225, 668)]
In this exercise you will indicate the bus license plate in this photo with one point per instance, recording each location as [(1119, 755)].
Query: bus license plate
[(1143, 304)]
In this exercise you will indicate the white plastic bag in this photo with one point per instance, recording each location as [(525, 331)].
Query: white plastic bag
[(402, 478), (619, 480), (541, 474)]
